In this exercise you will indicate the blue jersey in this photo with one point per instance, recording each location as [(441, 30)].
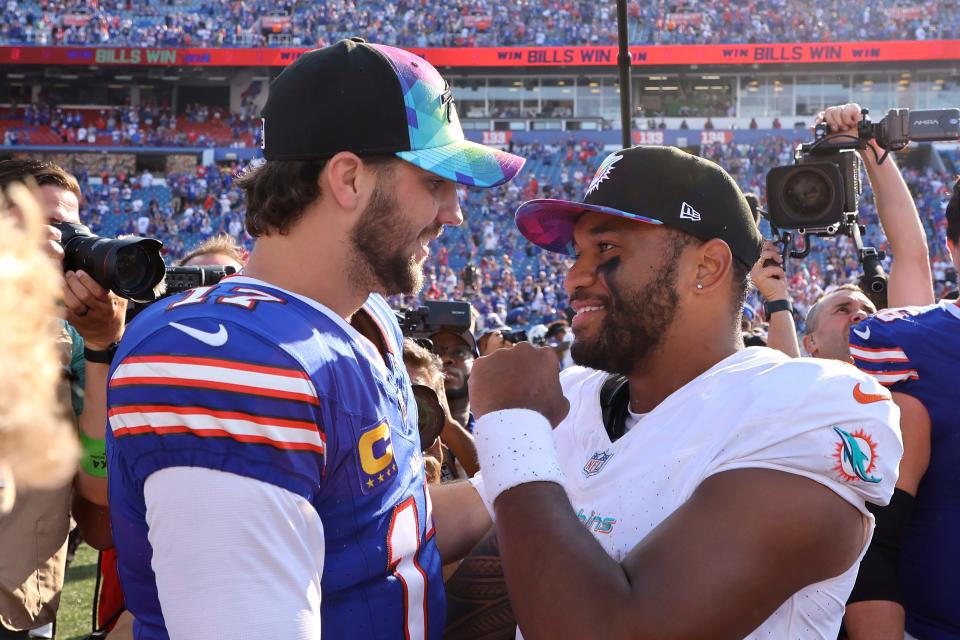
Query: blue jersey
[(916, 350), (256, 381)]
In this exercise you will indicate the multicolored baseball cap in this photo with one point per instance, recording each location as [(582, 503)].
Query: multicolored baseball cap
[(372, 99), (653, 185)]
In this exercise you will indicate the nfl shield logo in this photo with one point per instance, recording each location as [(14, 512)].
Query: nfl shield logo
[(595, 463)]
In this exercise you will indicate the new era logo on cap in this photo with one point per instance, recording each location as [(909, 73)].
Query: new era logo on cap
[(689, 213)]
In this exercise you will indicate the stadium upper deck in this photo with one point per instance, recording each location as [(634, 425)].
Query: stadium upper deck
[(470, 23)]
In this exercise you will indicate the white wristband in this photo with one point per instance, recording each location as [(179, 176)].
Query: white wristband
[(515, 446)]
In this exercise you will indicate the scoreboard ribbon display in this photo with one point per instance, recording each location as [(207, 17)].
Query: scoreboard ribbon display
[(714, 54)]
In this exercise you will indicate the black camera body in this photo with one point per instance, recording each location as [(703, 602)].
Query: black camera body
[(179, 279), (130, 267), (814, 194), (434, 316), (820, 193)]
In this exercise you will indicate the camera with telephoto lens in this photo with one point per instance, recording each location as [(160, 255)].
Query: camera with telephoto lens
[(130, 267), (815, 194)]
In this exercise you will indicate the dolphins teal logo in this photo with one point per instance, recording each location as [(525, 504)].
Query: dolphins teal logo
[(856, 456)]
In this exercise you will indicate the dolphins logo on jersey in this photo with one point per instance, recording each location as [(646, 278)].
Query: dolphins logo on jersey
[(856, 456), (603, 173)]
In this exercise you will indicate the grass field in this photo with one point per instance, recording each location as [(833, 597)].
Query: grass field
[(73, 619)]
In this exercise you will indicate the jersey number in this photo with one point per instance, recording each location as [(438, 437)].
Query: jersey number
[(403, 546), (245, 297)]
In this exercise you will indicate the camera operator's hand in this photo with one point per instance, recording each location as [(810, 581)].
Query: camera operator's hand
[(770, 280), (495, 382), (51, 245), (97, 313), (843, 119)]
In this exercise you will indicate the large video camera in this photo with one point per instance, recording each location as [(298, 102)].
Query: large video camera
[(814, 194), (130, 267), (434, 316), (820, 193)]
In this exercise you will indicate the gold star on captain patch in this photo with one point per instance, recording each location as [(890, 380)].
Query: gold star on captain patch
[(380, 478), (389, 471), (370, 483)]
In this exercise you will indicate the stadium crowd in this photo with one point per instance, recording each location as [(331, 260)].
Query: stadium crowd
[(473, 23), (147, 125), (510, 277), (487, 261)]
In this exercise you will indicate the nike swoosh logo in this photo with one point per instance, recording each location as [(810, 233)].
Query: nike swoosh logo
[(863, 397), (214, 339), (864, 333)]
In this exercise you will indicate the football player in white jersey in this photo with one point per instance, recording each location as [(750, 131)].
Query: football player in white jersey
[(712, 491)]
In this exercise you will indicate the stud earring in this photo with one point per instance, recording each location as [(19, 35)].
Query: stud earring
[(699, 285)]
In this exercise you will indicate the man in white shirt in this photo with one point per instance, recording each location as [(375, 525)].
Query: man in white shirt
[(709, 491)]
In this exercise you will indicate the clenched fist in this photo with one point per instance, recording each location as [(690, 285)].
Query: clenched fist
[(522, 377)]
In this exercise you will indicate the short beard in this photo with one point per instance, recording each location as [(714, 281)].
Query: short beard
[(635, 321), (380, 239)]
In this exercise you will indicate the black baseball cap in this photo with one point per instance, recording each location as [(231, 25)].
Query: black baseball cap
[(464, 335), (372, 99), (654, 185)]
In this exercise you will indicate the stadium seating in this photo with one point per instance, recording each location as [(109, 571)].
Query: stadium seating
[(476, 23), (509, 259)]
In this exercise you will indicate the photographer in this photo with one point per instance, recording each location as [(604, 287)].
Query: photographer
[(38, 446), (39, 524), (457, 352), (771, 281), (426, 369), (910, 280)]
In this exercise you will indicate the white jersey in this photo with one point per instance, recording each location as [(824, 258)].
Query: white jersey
[(756, 408)]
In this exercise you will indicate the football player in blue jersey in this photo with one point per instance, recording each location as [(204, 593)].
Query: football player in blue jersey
[(266, 475), (915, 352)]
